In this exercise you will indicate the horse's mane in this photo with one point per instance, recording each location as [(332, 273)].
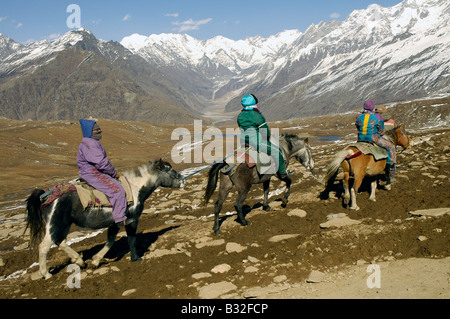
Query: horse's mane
[(137, 171)]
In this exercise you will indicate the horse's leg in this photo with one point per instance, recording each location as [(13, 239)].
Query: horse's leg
[(266, 186), (285, 198), (346, 182), (44, 247), (225, 187), (75, 258), (373, 187), (359, 176), (242, 195), (112, 233), (131, 236)]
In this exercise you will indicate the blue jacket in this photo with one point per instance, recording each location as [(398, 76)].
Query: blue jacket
[(368, 124)]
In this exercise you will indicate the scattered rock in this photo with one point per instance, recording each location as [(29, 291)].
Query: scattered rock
[(339, 220), (201, 275), (422, 238), (278, 238), (214, 291), (260, 292), (252, 259), (128, 292), (280, 278), (23, 246), (101, 271), (251, 269), (315, 277), (222, 268), (431, 212), (211, 243), (234, 248), (297, 212)]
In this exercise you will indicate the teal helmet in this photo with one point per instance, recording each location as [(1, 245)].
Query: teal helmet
[(249, 100)]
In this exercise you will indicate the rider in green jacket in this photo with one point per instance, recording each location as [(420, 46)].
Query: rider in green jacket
[(256, 132)]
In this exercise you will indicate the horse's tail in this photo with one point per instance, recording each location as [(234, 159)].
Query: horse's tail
[(212, 181), (35, 220), (335, 164)]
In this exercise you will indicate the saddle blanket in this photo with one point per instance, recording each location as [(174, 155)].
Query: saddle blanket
[(88, 195), (265, 164), (378, 152)]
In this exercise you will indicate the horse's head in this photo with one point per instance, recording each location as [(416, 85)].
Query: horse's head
[(402, 137), (300, 149), (168, 176)]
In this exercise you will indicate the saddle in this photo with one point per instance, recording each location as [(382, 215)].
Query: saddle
[(89, 196), (265, 164), (368, 148)]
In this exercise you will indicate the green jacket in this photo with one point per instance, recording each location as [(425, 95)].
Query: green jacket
[(254, 128)]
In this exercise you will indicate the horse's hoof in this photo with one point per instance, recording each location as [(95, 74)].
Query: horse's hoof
[(216, 232), (47, 276), (136, 259), (266, 208), (80, 262), (356, 208), (95, 263), (388, 187), (246, 223), (372, 199)]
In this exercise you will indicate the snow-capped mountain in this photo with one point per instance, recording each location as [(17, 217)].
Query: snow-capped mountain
[(7, 46), (79, 76), (388, 54)]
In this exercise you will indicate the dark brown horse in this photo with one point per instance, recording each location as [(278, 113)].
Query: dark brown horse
[(244, 177), (358, 165)]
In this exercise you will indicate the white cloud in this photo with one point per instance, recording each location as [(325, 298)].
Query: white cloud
[(335, 15), (96, 22), (2, 18), (19, 25), (53, 36), (175, 15), (190, 24), (126, 17)]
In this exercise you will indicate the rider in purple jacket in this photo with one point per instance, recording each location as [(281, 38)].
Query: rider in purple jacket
[(97, 171)]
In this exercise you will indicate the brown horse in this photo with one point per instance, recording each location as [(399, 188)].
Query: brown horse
[(358, 165)]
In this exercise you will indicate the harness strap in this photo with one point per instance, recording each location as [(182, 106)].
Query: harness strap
[(354, 155)]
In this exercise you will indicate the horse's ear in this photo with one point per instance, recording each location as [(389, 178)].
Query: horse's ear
[(307, 140), (158, 164)]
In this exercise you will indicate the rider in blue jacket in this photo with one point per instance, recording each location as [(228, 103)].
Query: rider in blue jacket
[(371, 129)]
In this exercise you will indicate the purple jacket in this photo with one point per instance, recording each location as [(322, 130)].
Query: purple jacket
[(91, 154)]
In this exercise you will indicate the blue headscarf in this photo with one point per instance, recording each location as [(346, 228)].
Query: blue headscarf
[(249, 102), (86, 127)]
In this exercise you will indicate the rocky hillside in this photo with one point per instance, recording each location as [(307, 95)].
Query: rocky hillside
[(315, 248)]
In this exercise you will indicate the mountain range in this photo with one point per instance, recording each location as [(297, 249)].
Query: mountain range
[(387, 54)]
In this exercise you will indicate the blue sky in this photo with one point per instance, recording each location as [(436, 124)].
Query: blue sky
[(26, 20)]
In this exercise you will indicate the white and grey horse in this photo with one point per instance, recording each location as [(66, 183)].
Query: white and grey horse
[(51, 224)]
